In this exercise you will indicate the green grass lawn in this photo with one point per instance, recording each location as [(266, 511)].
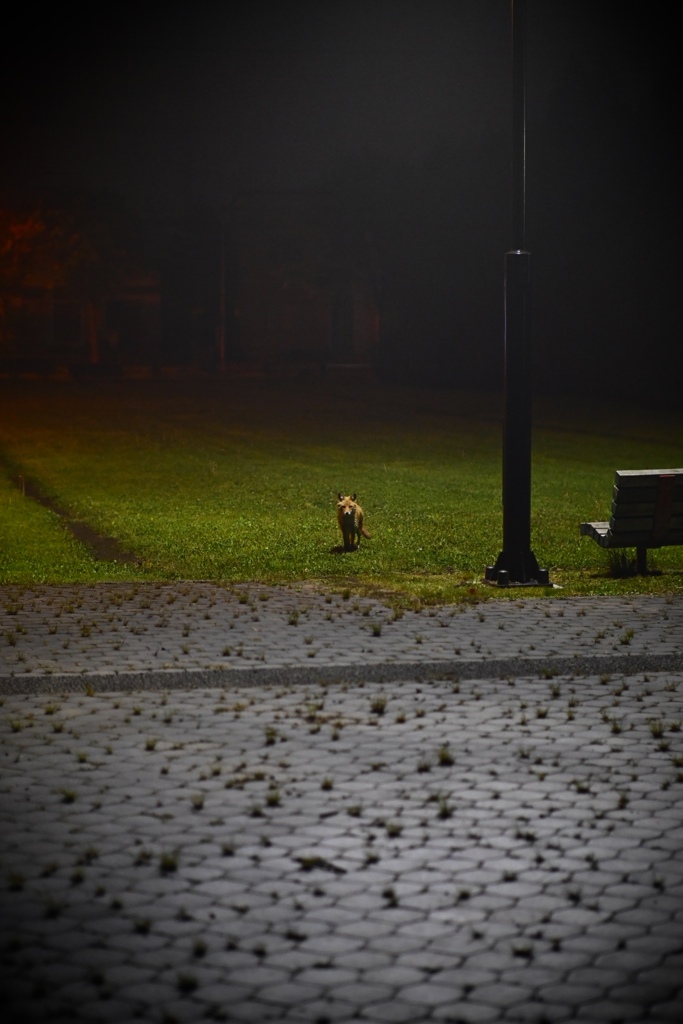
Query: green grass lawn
[(236, 480)]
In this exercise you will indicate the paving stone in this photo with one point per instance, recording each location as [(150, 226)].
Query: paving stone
[(320, 1010), (666, 1011), (391, 1012), (530, 1011), (290, 993), (107, 1011), (397, 975), (225, 994), (361, 993), (364, 959), (564, 958), (470, 1012), (334, 945), (606, 1011), (429, 994)]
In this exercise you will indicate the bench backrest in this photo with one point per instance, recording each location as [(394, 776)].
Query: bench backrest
[(647, 506)]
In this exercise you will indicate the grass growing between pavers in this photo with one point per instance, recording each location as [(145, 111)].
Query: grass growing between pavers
[(237, 481)]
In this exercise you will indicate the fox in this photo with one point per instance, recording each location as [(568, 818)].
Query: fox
[(350, 519)]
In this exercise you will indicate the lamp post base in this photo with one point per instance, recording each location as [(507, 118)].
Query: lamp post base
[(517, 569)]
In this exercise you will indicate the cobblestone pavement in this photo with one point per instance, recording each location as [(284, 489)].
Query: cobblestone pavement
[(191, 634), (460, 815)]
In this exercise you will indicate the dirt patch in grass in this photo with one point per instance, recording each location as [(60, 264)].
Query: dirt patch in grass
[(101, 547)]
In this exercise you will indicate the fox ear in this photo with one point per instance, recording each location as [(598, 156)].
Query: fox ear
[(340, 496), (353, 497)]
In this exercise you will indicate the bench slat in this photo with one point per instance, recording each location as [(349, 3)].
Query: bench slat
[(643, 508), (631, 525), (639, 477), (607, 538), (633, 495), (642, 524)]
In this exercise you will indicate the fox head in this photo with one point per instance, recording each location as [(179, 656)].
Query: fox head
[(346, 503)]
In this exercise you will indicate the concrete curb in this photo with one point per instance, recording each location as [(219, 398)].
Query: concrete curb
[(542, 667)]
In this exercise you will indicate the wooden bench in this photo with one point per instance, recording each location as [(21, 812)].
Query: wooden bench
[(647, 512)]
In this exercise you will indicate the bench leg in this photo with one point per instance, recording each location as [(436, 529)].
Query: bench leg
[(641, 560)]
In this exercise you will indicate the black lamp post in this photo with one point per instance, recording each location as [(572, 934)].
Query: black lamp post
[(516, 564)]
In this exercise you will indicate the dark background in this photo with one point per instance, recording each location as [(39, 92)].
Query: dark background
[(402, 110)]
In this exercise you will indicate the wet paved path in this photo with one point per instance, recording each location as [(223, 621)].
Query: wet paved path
[(264, 805)]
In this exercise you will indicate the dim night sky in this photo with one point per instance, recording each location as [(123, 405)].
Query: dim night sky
[(185, 103)]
